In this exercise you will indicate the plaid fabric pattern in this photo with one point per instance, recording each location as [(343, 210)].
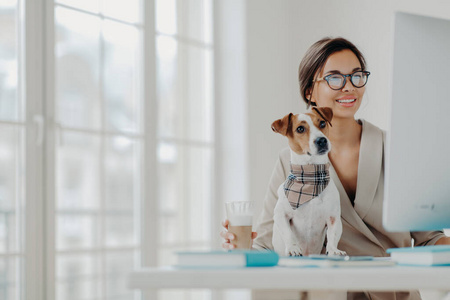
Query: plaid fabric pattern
[(306, 182)]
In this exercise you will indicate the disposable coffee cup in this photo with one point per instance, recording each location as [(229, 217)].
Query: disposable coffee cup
[(240, 217)]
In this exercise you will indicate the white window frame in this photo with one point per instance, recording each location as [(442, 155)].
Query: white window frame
[(31, 72), (149, 208)]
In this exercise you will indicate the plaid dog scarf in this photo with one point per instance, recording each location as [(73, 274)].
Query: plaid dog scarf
[(306, 182)]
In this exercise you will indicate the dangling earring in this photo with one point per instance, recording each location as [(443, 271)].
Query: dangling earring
[(310, 103), (310, 96)]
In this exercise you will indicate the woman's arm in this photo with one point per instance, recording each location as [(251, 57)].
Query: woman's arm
[(443, 241), (424, 238)]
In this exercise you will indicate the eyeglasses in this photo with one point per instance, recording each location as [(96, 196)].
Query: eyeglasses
[(338, 81)]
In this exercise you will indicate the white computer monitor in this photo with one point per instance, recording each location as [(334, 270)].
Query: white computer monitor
[(417, 170)]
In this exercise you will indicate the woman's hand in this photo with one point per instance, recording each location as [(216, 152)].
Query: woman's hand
[(229, 237)]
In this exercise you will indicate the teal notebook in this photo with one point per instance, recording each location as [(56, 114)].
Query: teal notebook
[(437, 255), (226, 259)]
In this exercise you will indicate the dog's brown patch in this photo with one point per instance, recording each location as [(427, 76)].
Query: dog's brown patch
[(325, 112), (282, 126), (299, 142), (332, 220), (322, 114)]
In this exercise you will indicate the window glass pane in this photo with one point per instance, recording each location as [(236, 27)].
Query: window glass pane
[(118, 266), (122, 174), (77, 64), (199, 94), (197, 18), (78, 277), (78, 190), (172, 194), (8, 230), (10, 280), (89, 5), (170, 105), (166, 16), (170, 223), (76, 266), (12, 183), (129, 10), (9, 101), (200, 194), (185, 91), (122, 177), (121, 74), (78, 171), (185, 194), (76, 230), (120, 230)]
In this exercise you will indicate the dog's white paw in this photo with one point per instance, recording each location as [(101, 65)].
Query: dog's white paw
[(336, 251), (293, 250)]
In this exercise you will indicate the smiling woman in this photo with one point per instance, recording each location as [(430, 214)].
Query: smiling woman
[(333, 74)]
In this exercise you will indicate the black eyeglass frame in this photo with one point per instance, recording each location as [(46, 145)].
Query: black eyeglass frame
[(326, 78)]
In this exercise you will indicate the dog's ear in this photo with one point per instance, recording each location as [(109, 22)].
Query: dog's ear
[(324, 112), (283, 125)]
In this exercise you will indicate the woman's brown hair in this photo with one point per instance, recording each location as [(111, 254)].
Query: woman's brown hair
[(315, 59)]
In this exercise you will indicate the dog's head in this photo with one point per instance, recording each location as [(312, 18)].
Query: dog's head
[(307, 133)]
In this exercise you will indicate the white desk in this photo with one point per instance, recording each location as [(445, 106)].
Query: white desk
[(311, 279)]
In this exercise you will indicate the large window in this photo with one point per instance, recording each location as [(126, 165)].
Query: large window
[(101, 88)]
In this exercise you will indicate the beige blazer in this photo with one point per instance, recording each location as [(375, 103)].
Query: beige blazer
[(363, 232)]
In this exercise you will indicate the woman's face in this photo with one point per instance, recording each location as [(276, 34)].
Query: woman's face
[(343, 62)]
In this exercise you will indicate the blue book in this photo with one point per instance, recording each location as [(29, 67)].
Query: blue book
[(437, 255), (226, 259)]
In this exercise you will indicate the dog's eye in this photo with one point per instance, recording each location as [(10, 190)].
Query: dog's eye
[(322, 124), (300, 129)]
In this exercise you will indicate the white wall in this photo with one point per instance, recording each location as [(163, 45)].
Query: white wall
[(278, 34), (272, 85)]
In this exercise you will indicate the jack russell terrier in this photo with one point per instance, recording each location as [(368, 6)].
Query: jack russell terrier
[(308, 204)]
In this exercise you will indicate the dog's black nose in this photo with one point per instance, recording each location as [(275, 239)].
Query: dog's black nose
[(322, 145), (321, 142)]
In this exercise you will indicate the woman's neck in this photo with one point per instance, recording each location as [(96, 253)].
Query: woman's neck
[(345, 132)]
